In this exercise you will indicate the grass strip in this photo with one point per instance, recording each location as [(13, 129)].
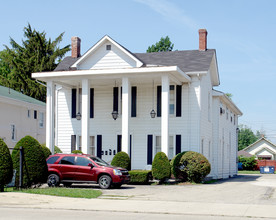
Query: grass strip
[(65, 192)]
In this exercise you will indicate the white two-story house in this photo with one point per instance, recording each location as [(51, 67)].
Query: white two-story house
[(110, 100)]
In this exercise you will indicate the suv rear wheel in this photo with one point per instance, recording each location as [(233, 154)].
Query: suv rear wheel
[(105, 182), (53, 180)]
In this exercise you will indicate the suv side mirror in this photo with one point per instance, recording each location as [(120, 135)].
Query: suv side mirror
[(91, 165)]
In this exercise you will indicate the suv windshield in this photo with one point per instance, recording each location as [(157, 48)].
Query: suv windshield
[(100, 162)]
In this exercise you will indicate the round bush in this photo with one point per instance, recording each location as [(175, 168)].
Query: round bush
[(34, 164), (57, 150), (175, 165), (6, 168), (121, 159), (195, 166), (77, 152), (46, 151), (161, 168)]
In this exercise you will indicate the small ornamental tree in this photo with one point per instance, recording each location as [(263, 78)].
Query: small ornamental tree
[(46, 151), (121, 159), (161, 168), (195, 166), (34, 164), (6, 168), (57, 150), (175, 169), (77, 152)]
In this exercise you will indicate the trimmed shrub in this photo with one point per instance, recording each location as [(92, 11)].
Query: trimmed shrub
[(57, 150), (248, 163), (34, 164), (6, 168), (121, 159), (46, 151), (77, 152), (161, 168), (195, 166), (140, 176), (175, 165)]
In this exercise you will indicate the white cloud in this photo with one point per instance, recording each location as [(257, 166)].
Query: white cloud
[(170, 11)]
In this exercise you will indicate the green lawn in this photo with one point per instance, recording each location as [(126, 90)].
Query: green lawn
[(65, 192), (249, 172)]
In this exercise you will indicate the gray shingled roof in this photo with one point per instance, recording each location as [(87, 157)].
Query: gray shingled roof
[(186, 60), (12, 94)]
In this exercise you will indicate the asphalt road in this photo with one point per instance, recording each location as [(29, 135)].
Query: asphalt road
[(242, 197)]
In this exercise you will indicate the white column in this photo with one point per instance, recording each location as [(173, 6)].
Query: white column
[(125, 114), (50, 116), (165, 114), (85, 116)]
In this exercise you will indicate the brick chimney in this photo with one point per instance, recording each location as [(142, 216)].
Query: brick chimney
[(75, 44), (202, 39)]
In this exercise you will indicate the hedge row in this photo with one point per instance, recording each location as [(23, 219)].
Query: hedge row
[(140, 176)]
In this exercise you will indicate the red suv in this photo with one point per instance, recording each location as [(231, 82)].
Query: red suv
[(83, 168)]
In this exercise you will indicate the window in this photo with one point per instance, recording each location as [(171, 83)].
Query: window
[(209, 106), (91, 149), (29, 113), (52, 160), (202, 146), (108, 47), (35, 114), (172, 100), (41, 119), (13, 134), (227, 113), (79, 144), (69, 160), (82, 161), (171, 148), (158, 144)]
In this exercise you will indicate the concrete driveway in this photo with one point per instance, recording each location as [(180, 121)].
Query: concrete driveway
[(242, 197)]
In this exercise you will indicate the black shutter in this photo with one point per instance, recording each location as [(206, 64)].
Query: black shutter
[(133, 101), (99, 146), (178, 100), (115, 98), (73, 142), (130, 143), (74, 103), (119, 143), (159, 88), (91, 103), (149, 153), (178, 144), (35, 114)]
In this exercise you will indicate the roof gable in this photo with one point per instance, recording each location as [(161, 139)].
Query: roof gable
[(106, 54), (259, 143)]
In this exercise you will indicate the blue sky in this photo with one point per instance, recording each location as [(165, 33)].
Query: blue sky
[(242, 32)]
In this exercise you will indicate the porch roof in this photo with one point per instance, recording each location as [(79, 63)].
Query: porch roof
[(175, 74)]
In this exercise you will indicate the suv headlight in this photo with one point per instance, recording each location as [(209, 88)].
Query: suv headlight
[(117, 172)]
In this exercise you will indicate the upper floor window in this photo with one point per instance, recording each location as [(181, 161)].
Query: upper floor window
[(13, 133), (35, 114), (29, 113), (172, 99)]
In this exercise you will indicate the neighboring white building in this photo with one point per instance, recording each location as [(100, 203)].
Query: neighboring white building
[(262, 149), (20, 115), (177, 85)]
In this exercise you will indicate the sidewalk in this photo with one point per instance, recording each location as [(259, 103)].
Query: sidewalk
[(32, 201)]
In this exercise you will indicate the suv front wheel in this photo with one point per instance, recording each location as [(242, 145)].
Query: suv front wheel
[(105, 182), (53, 180)]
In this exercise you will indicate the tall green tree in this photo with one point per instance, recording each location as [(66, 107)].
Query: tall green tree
[(36, 54), (163, 45), (246, 137)]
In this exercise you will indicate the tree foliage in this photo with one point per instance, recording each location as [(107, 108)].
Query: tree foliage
[(36, 54), (163, 45), (246, 137), (6, 168)]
